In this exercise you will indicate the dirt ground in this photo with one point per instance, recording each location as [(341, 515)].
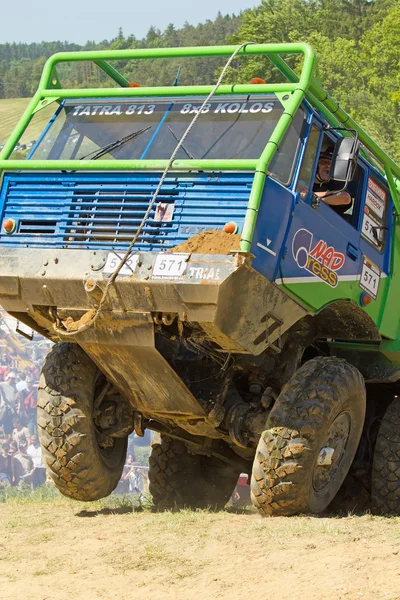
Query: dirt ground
[(63, 551)]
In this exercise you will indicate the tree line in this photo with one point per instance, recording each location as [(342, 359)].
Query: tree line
[(357, 44)]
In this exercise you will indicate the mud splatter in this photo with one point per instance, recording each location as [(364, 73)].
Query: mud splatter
[(71, 325)]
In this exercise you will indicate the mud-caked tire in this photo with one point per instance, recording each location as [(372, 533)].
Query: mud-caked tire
[(179, 479), (385, 478), (79, 467), (321, 408)]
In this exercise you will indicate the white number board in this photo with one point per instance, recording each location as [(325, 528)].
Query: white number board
[(368, 230), (370, 278), (114, 259), (170, 266)]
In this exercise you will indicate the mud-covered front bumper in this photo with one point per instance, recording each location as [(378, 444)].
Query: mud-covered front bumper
[(236, 307)]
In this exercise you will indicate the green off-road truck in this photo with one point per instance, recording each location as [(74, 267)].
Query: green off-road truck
[(173, 244)]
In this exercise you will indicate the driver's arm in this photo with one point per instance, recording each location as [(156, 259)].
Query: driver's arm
[(335, 198)]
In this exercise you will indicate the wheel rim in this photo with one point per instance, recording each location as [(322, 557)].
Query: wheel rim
[(332, 452)]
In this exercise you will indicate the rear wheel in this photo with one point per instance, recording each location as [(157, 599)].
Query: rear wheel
[(311, 438), (385, 480), (179, 479), (83, 464)]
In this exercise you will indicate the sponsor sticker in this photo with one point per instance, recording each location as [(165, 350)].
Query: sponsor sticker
[(374, 214), (370, 277), (319, 259), (164, 212), (376, 189), (375, 204)]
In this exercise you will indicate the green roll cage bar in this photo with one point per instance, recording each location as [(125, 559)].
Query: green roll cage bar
[(291, 94)]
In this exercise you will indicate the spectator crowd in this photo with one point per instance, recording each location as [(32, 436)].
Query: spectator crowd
[(20, 455), (21, 462)]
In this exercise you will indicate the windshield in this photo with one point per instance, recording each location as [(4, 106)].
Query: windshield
[(228, 128)]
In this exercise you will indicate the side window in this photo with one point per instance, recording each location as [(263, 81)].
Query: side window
[(283, 163), (374, 218), (304, 183), (344, 200)]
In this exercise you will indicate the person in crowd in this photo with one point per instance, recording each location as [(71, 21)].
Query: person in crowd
[(28, 405), (35, 370), (22, 466), (5, 463), (5, 360), (19, 432), (13, 448), (21, 384), (132, 477), (35, 452), (8, 402), (136, 483), (123, 486)]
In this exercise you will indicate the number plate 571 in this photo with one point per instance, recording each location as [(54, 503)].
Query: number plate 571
[(170, 266)]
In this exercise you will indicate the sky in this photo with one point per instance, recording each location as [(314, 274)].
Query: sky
[(81, 20)]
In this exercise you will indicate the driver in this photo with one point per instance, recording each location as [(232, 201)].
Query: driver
[(328, 190)]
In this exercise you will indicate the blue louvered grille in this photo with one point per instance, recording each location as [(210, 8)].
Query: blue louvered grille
[(99, 210)]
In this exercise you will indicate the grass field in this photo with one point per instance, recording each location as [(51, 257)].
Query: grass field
[(61, 549), (11, 110)]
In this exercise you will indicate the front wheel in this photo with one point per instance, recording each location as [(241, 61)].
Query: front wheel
[(81, 464), (311, 438)]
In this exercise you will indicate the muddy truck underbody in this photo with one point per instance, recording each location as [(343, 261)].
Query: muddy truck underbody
[(157, 334), (172, 244)]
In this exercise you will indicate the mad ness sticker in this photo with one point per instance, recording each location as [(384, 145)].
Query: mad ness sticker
[(319, 259)]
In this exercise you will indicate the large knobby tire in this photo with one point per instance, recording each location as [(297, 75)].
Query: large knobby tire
[(79, 467), (179, 479), (321, 408), (385, 481)]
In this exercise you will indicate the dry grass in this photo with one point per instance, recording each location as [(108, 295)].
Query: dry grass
[(11, 110)]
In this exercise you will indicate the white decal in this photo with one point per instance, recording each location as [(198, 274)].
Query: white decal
[(109, 110), (170, 266), (266, 247), (96, 109), (104, 111), (186, 109), (77, 109), (114, 259), (229, 108), (85, 111), (116, 110), (204, 273), (370, 278)]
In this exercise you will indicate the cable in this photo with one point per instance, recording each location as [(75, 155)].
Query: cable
[(114, 275)]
